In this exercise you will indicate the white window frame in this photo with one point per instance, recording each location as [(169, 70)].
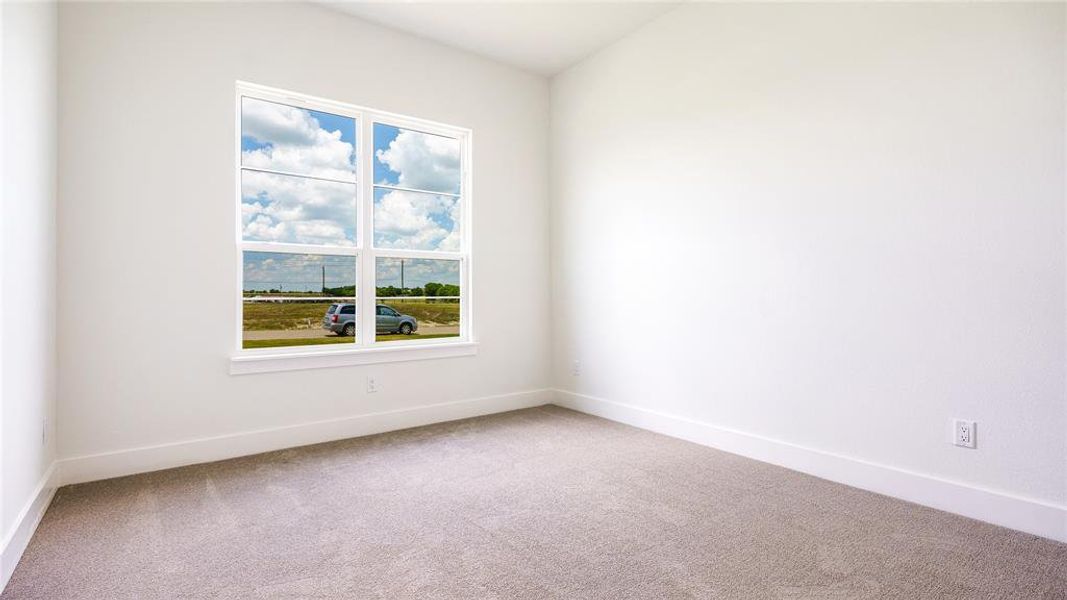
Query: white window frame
[(364, 350)]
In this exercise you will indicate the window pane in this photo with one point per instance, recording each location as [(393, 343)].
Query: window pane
[(417, 299), (298, 299), (280, 208), (297, 140), (416, 221), (411, 159)]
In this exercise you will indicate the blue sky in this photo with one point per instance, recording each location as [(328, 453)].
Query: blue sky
[(384, 135), (416, 160), (330, 122), (257, 135), (303, 272), (296, 272), (279, 208), (296, 209), (415, 221), (420, 161), (417, 271)]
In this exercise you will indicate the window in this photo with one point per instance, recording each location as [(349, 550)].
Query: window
[(346, 212)]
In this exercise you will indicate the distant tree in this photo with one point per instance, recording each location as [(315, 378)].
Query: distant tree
[(433, 289), (345, 290)]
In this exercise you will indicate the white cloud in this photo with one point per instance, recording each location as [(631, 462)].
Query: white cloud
[(276, 208), (423, 161), (297, 143), (415, 221), (451, 242), (296, 272), (417, 271)]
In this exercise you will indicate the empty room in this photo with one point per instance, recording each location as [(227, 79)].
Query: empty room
[(531, 300)]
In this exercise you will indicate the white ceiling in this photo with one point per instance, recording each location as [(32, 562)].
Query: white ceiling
[(542, 37)]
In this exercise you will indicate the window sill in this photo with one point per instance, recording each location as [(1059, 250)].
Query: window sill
[(290, 360)]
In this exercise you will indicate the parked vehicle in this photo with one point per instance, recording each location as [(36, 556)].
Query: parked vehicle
[(341, 319), (388, 320)]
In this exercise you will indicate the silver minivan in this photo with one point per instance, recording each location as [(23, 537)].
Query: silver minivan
[(341, 319)]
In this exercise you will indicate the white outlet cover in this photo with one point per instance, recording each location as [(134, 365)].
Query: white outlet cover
[(372, 385), (964, 433)]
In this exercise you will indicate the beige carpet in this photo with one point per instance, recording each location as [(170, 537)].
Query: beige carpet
[(539, 503)]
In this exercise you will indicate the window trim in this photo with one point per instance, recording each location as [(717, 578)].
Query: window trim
[(297, 358), (363, 350)]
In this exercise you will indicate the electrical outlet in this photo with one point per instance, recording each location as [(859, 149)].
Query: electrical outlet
[(963, 433), (372, 384), (576, 368)]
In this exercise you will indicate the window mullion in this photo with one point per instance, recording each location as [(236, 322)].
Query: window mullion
[(367, 291), (425, 254), (298, 248), (293, 174)]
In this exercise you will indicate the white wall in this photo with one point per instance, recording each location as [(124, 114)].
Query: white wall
[(147, 216), (836, 226), (832, 225), (28, 210)]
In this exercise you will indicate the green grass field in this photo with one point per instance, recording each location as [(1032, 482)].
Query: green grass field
[(307, 316), (413, 337), (442, 313), (278, 343), (271, 316)]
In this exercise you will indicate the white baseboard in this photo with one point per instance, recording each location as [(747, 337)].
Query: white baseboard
[(16, 540), (80, 469), (1024, 514)]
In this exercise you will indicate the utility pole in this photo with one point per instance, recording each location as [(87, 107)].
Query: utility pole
[(323, 279), (401, 276)]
